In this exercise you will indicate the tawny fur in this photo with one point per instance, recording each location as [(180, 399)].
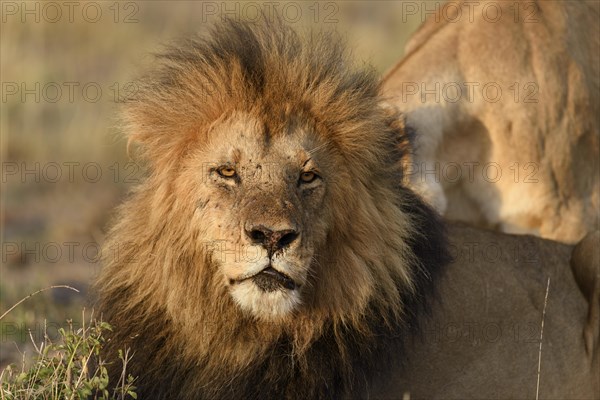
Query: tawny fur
[(376, 247), (539, 138)]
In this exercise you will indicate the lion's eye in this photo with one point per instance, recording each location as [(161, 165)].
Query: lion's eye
[(307, 177), (226, 172)]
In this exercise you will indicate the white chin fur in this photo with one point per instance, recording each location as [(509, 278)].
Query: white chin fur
[(265, 305)]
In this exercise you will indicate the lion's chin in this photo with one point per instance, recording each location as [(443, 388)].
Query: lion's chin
[(266, 305)]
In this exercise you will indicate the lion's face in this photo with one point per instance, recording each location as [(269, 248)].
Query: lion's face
[(260, 203)]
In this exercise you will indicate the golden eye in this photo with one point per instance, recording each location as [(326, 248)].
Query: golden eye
[(307, 177), (226, 172)]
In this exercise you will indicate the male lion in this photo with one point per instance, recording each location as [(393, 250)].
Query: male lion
[(272, 251), (505, 97)]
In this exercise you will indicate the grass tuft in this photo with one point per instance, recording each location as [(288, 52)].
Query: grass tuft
[(68, 368)]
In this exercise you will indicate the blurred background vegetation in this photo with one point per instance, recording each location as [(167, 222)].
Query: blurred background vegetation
[(63, 67)]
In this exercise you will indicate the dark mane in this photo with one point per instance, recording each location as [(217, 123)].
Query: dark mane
[(183, 335)]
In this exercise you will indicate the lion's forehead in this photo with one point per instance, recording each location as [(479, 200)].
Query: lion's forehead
[(243, 139)]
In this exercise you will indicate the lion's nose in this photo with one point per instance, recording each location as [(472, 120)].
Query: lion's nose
[(271, 239)]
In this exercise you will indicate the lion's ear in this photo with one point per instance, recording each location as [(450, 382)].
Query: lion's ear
[(134, 150), (405, 136)]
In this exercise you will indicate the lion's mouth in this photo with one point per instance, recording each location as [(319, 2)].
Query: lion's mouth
[(269, 280)]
